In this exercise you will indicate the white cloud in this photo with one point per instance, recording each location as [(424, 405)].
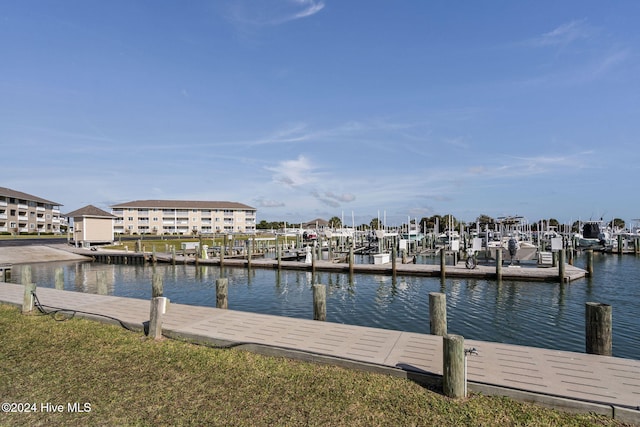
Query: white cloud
[(290, 133), (293, 173), (262, 203), (333, 200), (563, 34), (260, 13), (311, 7)]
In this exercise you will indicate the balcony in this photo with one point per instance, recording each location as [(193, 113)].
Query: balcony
[(22, 206), (40, 208)]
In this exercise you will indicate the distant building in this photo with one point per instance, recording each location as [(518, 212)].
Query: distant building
[(24, 213), (316, 224), (183, 217), (91, 226)]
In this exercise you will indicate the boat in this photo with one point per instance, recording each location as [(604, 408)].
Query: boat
[(512, 235), (594, 234)]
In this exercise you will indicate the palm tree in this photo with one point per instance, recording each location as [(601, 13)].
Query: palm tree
[(335, 222)]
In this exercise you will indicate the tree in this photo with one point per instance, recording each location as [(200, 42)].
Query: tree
[(485, 219), (450, 221), (375, 223), (264, 225), (617, 223), (335, 222), (575, 227)]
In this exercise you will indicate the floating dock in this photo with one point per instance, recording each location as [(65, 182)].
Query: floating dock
[(459, 270)]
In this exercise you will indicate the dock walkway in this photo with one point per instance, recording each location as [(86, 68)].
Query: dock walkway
[(524, 273), (569, 380)]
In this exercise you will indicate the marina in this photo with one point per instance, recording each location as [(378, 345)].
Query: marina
[(577, 382), (527, 337), (533, 313)]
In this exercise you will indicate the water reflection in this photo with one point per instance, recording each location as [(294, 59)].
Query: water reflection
[(529, 313)]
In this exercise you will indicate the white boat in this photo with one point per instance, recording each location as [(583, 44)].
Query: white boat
[(594, 234)]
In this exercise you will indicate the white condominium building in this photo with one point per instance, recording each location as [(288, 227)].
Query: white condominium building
[(183, 217), (24, 213)]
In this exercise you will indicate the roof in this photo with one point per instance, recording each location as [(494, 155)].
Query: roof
[(182, 204), (318, 221), (89, 211), (7, 192)]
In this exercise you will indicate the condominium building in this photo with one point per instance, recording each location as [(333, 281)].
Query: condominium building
[(183, 217), (24, 213)]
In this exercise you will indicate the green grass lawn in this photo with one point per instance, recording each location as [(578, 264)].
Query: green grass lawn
[(127, 379)]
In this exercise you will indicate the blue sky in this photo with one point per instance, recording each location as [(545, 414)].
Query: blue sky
[(321, 108)]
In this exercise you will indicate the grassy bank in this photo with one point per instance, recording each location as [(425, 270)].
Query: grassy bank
[(129, 380)]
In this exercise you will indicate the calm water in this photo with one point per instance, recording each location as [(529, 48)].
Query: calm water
[(547, 315)]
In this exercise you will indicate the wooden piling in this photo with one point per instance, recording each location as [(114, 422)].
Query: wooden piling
[(319, 302), (453, 375), (279, 252), (223, 247), (499, 263), (393, 260), (438, 313), (157, 285), (598, 324), (29, 290), (620, 244), (443, 269), (561, 266), (351, 261), (158, 308), (590, 262), (222, 289)]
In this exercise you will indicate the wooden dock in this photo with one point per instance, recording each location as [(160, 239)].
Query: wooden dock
[(567, 380), (522, 273)]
